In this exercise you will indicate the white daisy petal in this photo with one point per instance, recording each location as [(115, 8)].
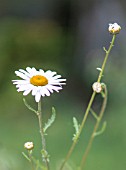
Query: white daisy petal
[(29, 69), (41, 71), (50, 73), (24, 87), (34, 91), (39, 83), (25, 72), (21, 75), (26, 92), (57, 83), (45, 91), (32, 71), (55, 88), (60, 80), (37, 97), (49, 87), (20, 81), (56, 77), (42, 93)]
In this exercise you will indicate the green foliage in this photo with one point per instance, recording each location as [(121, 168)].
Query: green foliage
[(45, 155), (51, 120), (76, 126), (34, 162)]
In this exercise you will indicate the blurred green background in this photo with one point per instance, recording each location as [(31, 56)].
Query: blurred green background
[(66, 36)]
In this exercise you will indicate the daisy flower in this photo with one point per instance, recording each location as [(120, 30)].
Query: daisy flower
[(39, 83)]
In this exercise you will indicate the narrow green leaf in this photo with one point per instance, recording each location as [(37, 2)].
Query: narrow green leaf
[(51, 120), (93, 113), (105, 49), (26, 156)]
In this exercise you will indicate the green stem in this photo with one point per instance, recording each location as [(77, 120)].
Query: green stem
[(106, 57), (31, 161), (39, 113), (94, 131), (89, 105)]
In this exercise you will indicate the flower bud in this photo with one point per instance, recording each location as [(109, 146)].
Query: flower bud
[(29, 145), (114, 28), (97, 87)]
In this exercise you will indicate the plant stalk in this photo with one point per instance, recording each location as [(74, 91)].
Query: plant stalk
[(89, 104), (94, 131), (39, 113)]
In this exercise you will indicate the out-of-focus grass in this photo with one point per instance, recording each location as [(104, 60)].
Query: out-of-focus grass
[(19, 125)]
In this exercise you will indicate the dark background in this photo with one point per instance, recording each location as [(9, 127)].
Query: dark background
[(66, 36)]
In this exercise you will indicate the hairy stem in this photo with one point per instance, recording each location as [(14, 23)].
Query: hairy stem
[(44, 157)]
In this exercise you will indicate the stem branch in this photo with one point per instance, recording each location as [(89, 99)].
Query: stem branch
[(90, 103), (94, 130)]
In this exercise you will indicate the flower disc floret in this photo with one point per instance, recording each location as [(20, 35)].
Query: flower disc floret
[(39, 82)]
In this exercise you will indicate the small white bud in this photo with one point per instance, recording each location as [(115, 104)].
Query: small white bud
[(114, 28), (97, 87), (29, 145)]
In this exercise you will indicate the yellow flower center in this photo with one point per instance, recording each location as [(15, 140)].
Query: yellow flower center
[(39, 80)]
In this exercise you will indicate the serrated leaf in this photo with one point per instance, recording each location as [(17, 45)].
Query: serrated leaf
[(77, 127), (45, 155), (51, 120)]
